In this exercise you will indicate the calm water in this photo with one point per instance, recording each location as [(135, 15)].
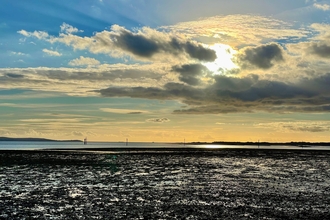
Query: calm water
[(31, 145)]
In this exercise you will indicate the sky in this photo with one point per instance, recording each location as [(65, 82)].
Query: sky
[(165, 71)]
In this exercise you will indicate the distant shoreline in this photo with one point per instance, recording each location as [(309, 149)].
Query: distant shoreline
[(248, 152), (36, 139), (292, 143)]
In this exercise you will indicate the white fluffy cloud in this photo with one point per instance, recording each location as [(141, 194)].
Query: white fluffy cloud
[(69, 29), (237, 30), (324, 7), (84, 61), (18, 53), (52, 52), (38, 34)]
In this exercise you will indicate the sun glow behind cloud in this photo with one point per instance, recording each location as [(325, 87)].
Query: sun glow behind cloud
[(224, 62)]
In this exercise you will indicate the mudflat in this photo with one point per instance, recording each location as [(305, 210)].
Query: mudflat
[(161, 184)]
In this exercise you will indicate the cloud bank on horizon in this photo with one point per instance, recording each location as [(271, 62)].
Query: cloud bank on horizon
[(269, 59)]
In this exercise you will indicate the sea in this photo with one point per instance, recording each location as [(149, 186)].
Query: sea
[(48, 145)]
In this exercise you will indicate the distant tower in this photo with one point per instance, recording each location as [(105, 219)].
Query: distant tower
[(85, 140)]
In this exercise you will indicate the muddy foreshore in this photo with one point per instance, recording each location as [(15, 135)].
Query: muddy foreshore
[(178, 184)]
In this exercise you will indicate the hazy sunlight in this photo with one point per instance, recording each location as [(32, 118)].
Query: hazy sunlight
[(224, 61)]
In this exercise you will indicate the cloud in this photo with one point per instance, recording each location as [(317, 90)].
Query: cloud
[(321, 47), (18, 53), (232, 94), (272, 78), (144, 44), (206, 137), (15, 76), (324, 7), (317, 47), (52, 53), (68, 29), (238, 30), (51, 120), (137, 44), (84, 61), (174, 91), (297, 126), (38, 34), (78, 133), (123, 111), (191, 73), (262, 56), (195, 50), (322, 29), (148, 42), (264, 89), (158, 120), (81, 81)]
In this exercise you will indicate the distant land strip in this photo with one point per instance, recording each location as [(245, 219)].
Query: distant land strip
[(292, 143), (35, 139)]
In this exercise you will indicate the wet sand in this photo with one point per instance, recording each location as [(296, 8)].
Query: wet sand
[(165, 184)]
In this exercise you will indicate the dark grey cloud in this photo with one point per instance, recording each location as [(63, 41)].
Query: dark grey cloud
[(113, 74), (307, 128), (214, 109), (298, 126), (234, 83), (135, 92), (232, 94), (137, 44), (262, 56), (14, 75), (319, 84), (158, 120), (269, 89), (17, 79), (320, 49), (174, 91), (146, 46), (313, 129), (194, 50), (190, 73), (134, 113)]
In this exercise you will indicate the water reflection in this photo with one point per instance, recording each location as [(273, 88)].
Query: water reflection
[(30, 145)]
